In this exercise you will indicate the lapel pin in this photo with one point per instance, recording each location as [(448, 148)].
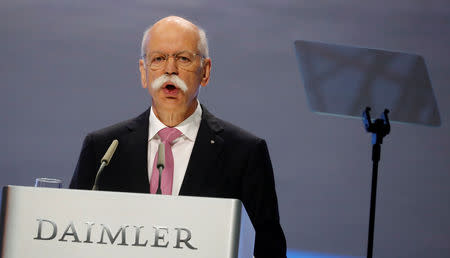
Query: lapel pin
[(212, 141)]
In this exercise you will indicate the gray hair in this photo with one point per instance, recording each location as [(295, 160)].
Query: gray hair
[(202, 45)]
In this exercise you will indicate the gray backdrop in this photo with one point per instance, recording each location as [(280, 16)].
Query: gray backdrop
[(70, 67)]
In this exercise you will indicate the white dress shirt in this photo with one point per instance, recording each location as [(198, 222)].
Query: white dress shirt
[(181, 148)]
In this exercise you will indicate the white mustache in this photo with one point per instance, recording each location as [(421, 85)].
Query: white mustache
[(161, 80)]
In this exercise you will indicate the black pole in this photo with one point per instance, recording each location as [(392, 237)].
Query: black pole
[(376, 149), (379, 129)]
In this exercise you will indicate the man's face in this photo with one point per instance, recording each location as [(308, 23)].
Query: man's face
[(171, 39)]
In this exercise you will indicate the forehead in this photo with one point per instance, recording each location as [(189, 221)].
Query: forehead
[(172, 37)]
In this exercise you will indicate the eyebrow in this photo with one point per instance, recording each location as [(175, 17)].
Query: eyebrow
[(161, 52)]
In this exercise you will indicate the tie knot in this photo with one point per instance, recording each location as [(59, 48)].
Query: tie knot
[(169, 134)]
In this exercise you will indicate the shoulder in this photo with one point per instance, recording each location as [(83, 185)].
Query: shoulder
[(228, 130), (238, 133), (120, 129)]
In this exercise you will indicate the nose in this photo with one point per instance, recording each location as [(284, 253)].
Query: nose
[(171, 66)]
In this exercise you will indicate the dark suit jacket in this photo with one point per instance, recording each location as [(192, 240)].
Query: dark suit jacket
[(226, 161)]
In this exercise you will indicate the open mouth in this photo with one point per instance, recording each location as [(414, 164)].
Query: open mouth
[(170, 89)]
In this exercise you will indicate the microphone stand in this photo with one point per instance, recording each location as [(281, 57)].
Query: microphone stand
[(97, 176), (160, 164), (160, 169), (379, 129)]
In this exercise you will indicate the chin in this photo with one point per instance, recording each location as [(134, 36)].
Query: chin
[(173, 106), (176, 105)]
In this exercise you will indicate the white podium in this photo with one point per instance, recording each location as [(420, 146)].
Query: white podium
[(61, 223)]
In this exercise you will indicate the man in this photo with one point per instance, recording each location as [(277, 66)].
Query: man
[(210, 157)]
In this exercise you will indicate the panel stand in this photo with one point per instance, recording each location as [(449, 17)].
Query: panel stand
[(379, 129)]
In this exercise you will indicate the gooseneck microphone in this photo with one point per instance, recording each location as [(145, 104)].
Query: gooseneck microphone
[(105, 161), (160, 164)]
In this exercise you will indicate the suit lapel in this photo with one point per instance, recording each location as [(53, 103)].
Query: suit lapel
[(136, 153), (205, 154)]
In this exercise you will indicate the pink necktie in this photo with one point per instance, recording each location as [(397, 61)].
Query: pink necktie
[(168, 135)]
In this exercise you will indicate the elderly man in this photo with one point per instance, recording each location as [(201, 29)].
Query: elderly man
[(206, 156)]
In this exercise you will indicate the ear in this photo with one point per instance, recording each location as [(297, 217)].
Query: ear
[(206, 72), (143, 72)]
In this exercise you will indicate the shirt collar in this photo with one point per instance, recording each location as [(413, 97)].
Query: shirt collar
[(189, 127)]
